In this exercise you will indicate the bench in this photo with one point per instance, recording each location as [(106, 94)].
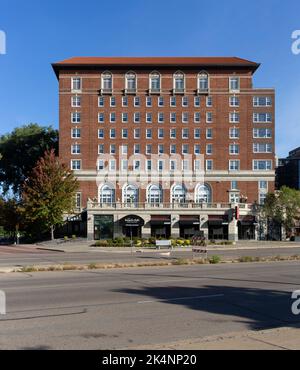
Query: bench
[(165, 244)]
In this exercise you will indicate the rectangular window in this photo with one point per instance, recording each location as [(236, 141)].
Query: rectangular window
[(137, 133), (209, 117), (101, 149), (234, 149), (124, 101), (75, 133), (75, 149), (209, 149), (161, 101), (197, 165), (161, 117), (262, 198), (173, 133), (160, 133), (197, 101), (101, 117), (137, 149), (173, 101), (148, 101), (101, 101), (112, 133), (185, 117), (185, 101), (262, 133), (209, 165), (234, 133), (124, 117), (112, 117), (173, 149), (75, 117), (75, 164), (234, 185), (136, 117), (234, 165), (137, 165), (136, 101), (185, 133), (101, 165), (149, 117), (160, 165), (112, 101), (234, 101), (124, 133), (197, 149), (185, 149), (209, 101), (262, 101), (185, 165), (160, 149), (101, 133), (124, 164), (112, 164), (76, 101), (262, 165), (148, 133), (234, 117), (209, 133), (197, 133), (124, 149), (76, 83), (112, 149), (262, 148), (262, 117), (234, 84), (148, 149), (197, 117), (78, 201), (172, 165), (149, 165), (173, 117), (263, 185)]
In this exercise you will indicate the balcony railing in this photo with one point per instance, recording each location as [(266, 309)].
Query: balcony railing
[(147, 206)]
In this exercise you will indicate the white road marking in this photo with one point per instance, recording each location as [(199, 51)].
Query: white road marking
[(182, 298)]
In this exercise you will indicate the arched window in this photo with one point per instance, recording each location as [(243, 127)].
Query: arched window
[(203, 194), (154, 82), (106, 81), (155, 194), (203, 82), (106, 194), (179, 82), (130, 194), (130, 82), (178, 194)]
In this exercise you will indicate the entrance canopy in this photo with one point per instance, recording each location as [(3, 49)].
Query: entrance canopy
[(247, 220), (161, 220), (189, 220), (132, 221), (217, 220)]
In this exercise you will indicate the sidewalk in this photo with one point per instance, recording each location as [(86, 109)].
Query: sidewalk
[(273, 339)]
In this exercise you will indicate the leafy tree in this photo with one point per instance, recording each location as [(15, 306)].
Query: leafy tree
[(49, 193), (19, 152), (10, 216)]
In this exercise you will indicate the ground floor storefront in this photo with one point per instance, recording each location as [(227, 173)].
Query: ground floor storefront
[(220, 225)]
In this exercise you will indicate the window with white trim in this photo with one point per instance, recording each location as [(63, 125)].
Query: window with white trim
[(173, 117), (100, 133), (209, 165), (160, 133), (262, 165), (155, 82), (179, 82), (185, 117), (173, 133), (106, 81), (185, 133), (160, 149), (75, 117), (137, 133), (197, 149), (100, 101), (262, 148), (262, 133), (76, 83), (209, 133), (234, 84), (148, 133), (234, 133), (262, 117), (148, 101), (101, 117), (124, 101), (161, 101), (209, 149), (234, 117), (136, 101), (148, 117), (234, 165), (161, 117), (148, 149), (197, 133), (262, 101), (137, 149), (76, 149), (173, 149), (76, 133), (76, 164), (112, 101), (124, 133), (197, 101), (136, 117), (185, 101), (76, 101), (209, 102), (112, 133), (234, 101), (209, 117), (100, 148), (234, 149), (173, 101), (185, 149), (112, 117), (197, 117), (124, 117)]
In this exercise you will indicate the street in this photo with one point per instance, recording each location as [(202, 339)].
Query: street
[(127, 308)]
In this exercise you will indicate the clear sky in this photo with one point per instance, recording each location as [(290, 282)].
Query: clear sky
[(41, 32)]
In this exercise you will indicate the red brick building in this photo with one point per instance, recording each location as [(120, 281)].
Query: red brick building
[(130, 127)]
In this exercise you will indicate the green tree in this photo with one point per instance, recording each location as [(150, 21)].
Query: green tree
[(19, 152), (49, 193), (10, 216)]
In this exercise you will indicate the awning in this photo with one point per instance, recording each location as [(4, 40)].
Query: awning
[(160, 220), (132, 221), (218, 220), (189, 220), (247, 220)]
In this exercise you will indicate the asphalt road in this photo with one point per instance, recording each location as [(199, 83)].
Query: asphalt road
[(50, 257), (126, 308)]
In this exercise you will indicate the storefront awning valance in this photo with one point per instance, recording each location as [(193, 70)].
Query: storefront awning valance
[(160, 220), (217, 220), (189, 220), (247, 220), (132, 221)]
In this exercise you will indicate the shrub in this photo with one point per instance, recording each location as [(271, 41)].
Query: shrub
[(101, 243), (245, 259), (215, 260), (187, 242), (180, 242), (92, 266), (74, 237), (174, 243), (180, 261), (66, 238)]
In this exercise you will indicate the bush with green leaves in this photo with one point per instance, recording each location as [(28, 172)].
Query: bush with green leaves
[(215, 260)]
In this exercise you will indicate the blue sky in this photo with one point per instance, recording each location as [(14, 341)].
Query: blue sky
[(41, 32)]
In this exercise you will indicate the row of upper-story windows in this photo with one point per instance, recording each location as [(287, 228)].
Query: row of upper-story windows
[(163, 165), (234, 133), (155, 83), (234, 149), (234, 117), (234, 101)]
